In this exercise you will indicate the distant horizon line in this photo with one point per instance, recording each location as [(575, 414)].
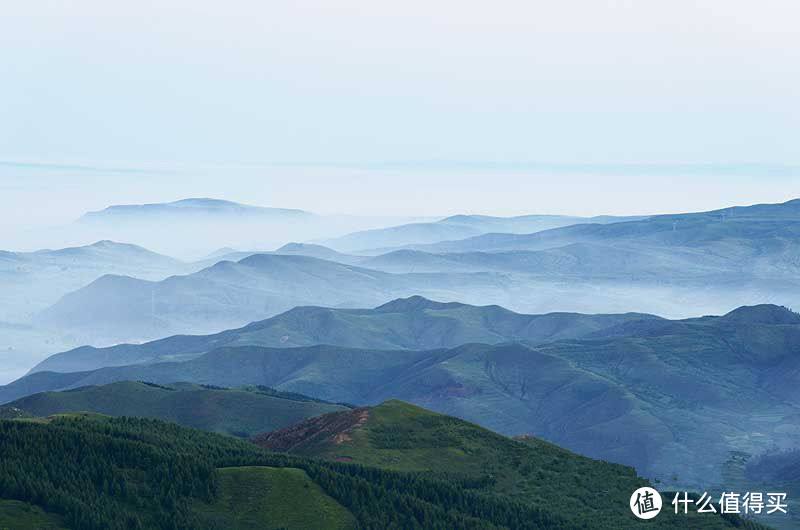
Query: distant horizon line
[(749, 168)]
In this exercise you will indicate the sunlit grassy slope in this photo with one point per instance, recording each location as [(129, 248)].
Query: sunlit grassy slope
[(260, 498), (16, 515)]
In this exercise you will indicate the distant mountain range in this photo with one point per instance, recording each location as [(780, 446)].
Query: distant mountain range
[(194, 227), (672, 265), (738, 224), (618, 391), (734, 256), (31, 281), (413, 323), (456, 227), (310, 250), (119, 308)]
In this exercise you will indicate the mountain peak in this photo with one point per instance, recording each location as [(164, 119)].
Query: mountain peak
[(266, 259), (291, 247), (762, 314), (413, 303), (109, 244), (205, 202), (308, 248)]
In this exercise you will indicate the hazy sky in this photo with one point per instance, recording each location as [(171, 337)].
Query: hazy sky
[(372, 80), (201, 84)]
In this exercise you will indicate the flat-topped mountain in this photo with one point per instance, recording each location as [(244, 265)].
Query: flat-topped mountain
[(192, 228), (187, 208)]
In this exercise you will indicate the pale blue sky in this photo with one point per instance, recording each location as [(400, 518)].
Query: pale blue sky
[(371, 80), (219, 90)]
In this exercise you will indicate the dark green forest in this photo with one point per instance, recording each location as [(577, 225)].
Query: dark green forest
[(107, 473)]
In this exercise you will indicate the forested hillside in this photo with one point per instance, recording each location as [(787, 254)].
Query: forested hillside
[(96, 472)]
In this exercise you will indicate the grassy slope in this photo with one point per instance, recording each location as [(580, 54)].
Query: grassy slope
[(401, 436), (263, 497), (228, 411), (16, 515)]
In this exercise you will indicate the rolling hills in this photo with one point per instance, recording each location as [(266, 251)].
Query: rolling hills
[(239, 412), (32, 281), (712, 261), (130, 473), (673, 265), (573, 262), (671, 398), (413, 323), (398, 436)]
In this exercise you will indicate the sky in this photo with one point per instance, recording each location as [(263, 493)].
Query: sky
[(415, 107)]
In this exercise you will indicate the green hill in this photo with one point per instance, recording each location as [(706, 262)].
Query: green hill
[(128, 473), (240, 412), (399, 436)]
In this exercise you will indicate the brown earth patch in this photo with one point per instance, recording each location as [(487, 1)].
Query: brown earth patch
[(334, 428)]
